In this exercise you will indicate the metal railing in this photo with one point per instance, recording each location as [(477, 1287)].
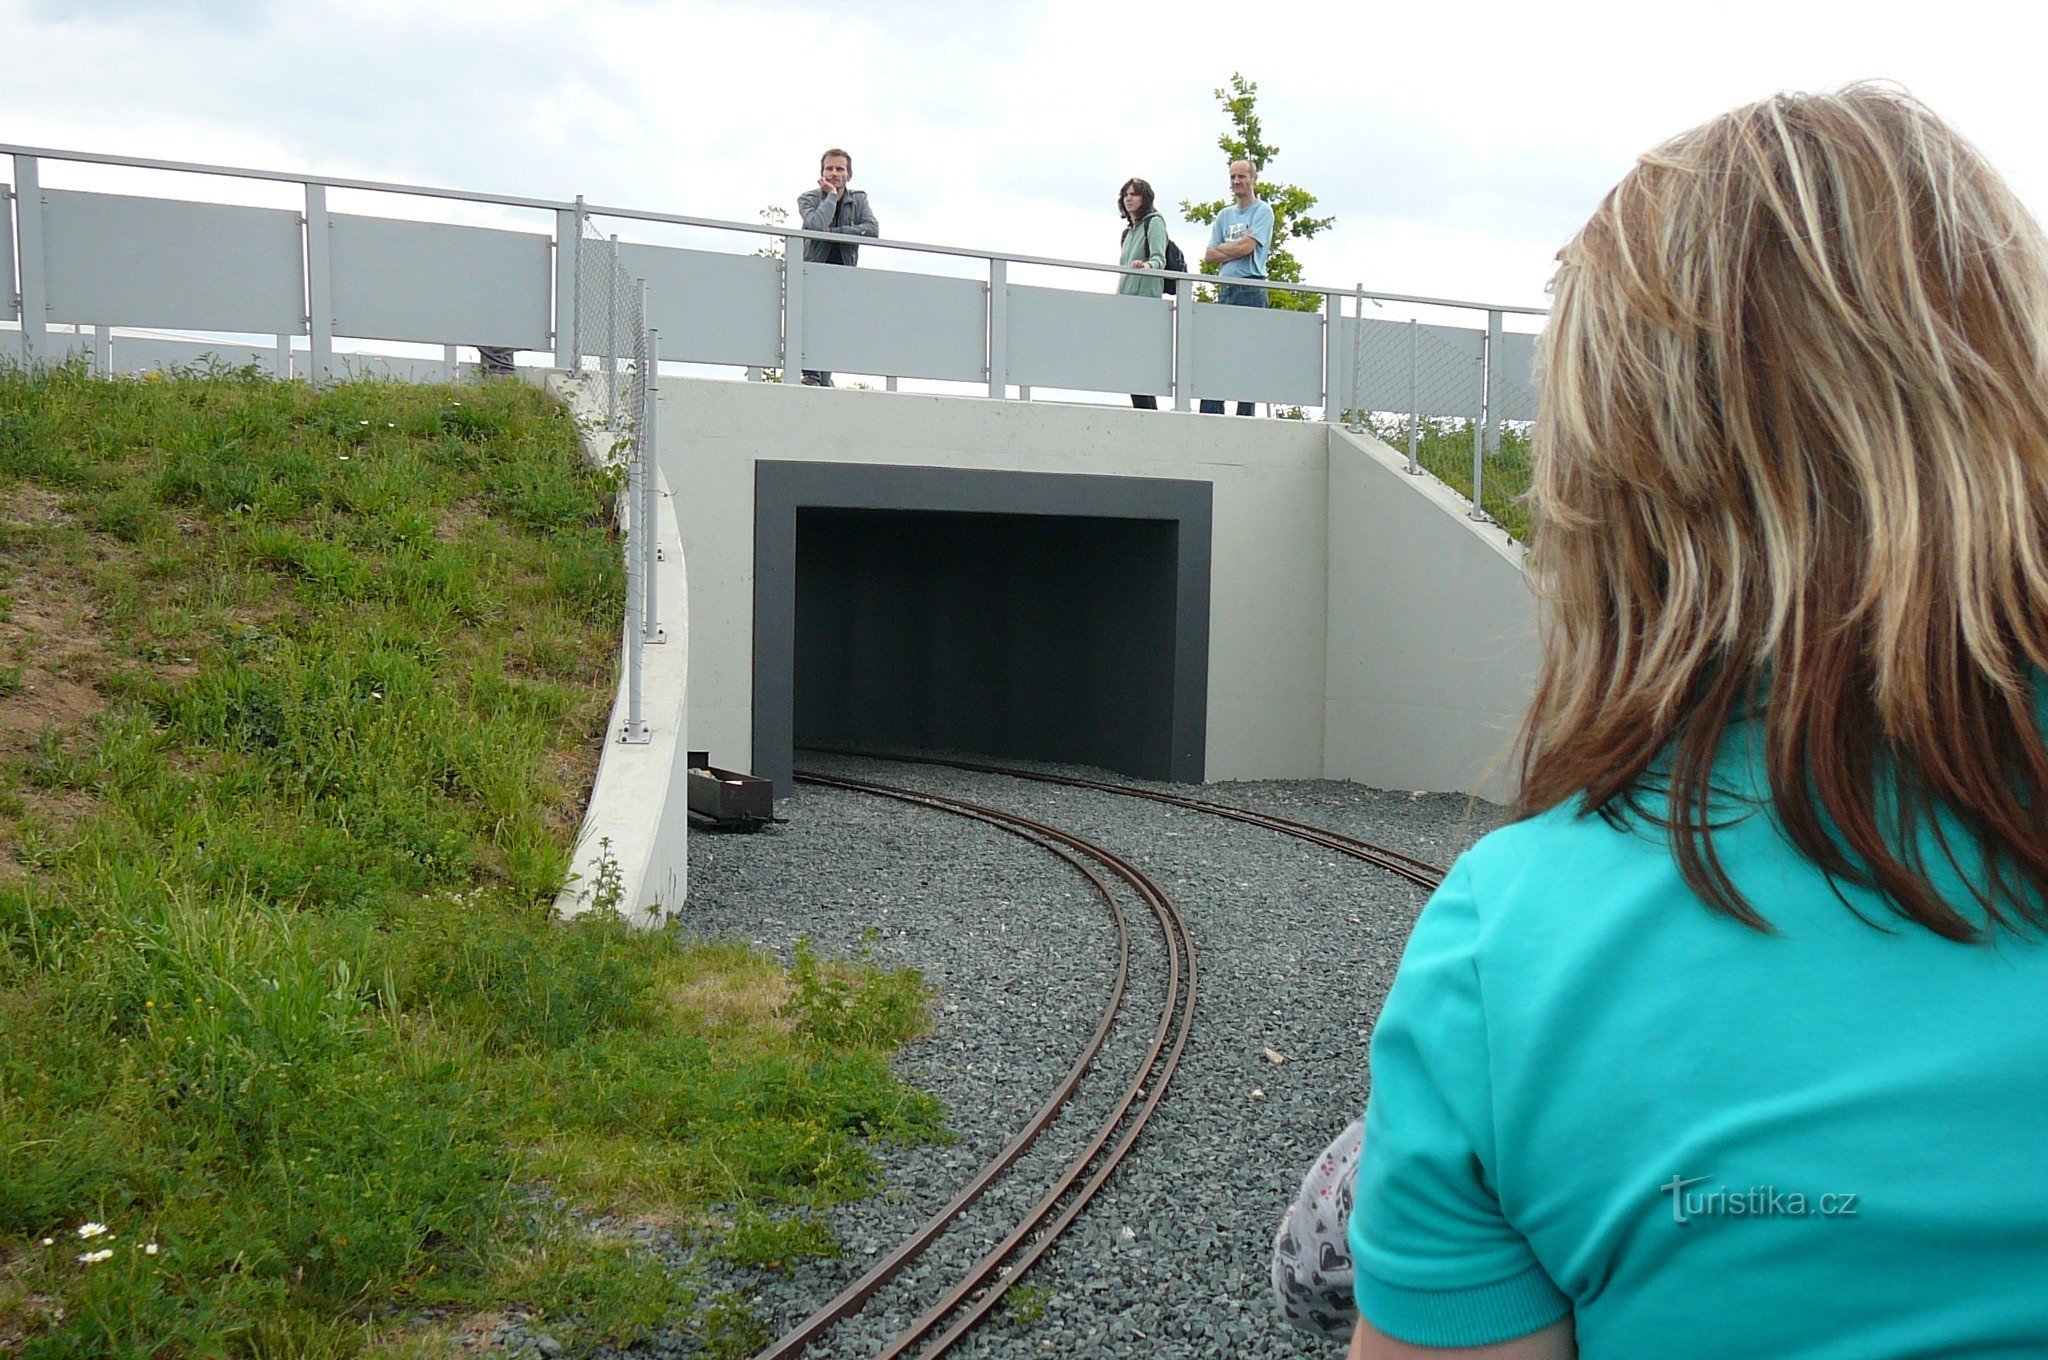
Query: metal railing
[(317, 275)]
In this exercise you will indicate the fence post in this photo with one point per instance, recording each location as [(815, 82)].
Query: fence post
[(1479, 427), (103, 351), (1358, 357), (35, 296), (568, 241), (319, 286), (792, 310), (632, 513), (1183, 342), (611, 339), (576, 350), (1414, 393), (650, 484), (998, 330), (1494, 350)]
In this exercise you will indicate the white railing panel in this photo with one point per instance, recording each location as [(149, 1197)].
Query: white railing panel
[(903, 325), (710, 308), (441, 284), (1089, 342), (1447, 367), (110, 259), (10, 301), (1256, 354), (138, 354), (1515, 387)]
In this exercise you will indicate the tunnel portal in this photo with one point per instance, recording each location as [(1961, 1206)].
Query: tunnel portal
[(1025, 616)]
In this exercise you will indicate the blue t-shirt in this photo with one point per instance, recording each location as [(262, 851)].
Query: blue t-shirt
[(1232, 224), (1592, 1094)]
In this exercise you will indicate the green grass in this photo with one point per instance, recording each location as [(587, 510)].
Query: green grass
[(320, 680), (1444, 447)]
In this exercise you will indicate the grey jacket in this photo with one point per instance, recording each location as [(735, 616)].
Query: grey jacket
[(846, 212)]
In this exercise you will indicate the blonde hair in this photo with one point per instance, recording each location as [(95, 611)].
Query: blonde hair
[(1791, 463)]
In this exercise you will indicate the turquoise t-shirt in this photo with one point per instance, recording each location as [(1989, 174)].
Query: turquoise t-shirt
[(1235, 223), (1592, 1094)]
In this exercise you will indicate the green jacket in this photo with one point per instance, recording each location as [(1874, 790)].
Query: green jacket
[(1148, 245)]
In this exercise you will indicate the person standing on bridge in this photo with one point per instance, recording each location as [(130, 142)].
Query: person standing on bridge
[(1239, 241), (832, 206), (1144, 247)]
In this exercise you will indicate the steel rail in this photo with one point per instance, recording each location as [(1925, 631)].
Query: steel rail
[(1417, 871), (855, 1297)]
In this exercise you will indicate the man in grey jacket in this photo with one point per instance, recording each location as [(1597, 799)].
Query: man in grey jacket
[(834, 207)]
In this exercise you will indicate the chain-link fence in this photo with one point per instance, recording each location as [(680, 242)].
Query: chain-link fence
[(1457, 400), (613, 344)]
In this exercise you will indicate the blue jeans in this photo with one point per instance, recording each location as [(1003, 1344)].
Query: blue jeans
[(1235, 295)]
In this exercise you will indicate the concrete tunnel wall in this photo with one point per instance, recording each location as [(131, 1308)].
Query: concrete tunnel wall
[(1401, 666)]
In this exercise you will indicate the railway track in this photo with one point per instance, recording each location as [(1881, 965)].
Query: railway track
[(982, 1286), (980, 1289)]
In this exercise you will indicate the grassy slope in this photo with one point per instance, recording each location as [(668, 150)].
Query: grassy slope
[(300, 693)]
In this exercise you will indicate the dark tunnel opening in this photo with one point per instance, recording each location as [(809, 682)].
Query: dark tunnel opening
[(1033, 636)]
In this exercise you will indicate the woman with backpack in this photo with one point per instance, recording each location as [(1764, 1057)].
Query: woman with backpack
[(1144, 247)]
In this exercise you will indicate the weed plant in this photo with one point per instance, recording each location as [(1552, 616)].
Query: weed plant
[(1444, 447), (302, 691)]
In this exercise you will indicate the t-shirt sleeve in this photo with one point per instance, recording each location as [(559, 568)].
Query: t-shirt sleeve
[(1216, 231), (1437, 1263)]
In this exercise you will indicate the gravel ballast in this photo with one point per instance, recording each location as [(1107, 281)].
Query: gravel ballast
[(1296, 947)]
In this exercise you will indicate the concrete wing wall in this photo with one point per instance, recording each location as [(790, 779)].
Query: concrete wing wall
[(1432, 642), (1267, 609)]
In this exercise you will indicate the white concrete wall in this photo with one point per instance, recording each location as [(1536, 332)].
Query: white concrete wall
[(1432, 631), (1361, 627), (632, 851), (1268, 574)]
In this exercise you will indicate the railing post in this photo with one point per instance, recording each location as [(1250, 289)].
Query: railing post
[(650, 484), (792, 310), (1358, 357), (1332, 312), (319, 287), (1479, 428), (35, 296), (998, 330), (103, 351), (1183, 342), (568, 244), (611, 339), (1493, 362), (282, 364), (577, 351), (1414, 393), (635, 732)]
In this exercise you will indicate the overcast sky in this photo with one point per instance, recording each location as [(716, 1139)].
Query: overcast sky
[(1458, 145)]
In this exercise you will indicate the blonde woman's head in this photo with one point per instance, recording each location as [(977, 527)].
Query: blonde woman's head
[(1792, 464)]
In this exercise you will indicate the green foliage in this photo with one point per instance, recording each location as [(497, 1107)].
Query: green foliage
[(282, 1005), (1246, 140), (1444, 447), (1025, 1304), (836, 1006)]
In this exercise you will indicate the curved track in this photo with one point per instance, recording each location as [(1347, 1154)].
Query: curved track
[(982, 1286)]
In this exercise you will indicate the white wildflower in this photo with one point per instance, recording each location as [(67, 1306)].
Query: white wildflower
[(91, 1229), (93, 1258), (149, 1249)]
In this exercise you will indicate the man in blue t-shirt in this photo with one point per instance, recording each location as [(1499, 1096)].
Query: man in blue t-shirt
[(1238, 243)]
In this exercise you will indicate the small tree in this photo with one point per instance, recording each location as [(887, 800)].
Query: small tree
[(1246, 141)]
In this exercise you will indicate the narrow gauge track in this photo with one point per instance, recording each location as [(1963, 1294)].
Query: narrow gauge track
[(978, 1291), (1417, 871)]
